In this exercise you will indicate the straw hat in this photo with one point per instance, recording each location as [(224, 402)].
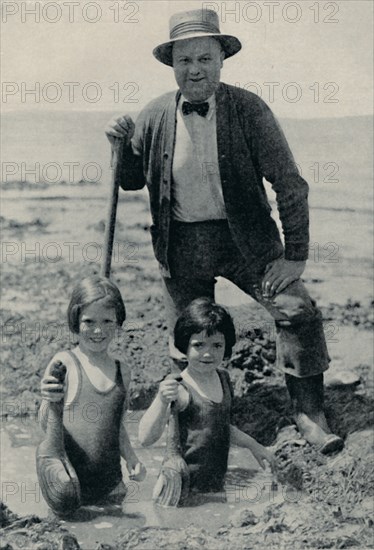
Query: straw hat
[(195, 24)]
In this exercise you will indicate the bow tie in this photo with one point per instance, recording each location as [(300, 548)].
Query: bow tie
[(200, 108)]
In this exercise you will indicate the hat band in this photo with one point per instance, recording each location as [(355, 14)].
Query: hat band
[(193, 26)]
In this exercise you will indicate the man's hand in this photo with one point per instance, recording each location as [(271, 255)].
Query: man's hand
[(279, 274), (121, 127)]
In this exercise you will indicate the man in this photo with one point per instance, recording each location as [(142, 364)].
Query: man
[(203, 152)]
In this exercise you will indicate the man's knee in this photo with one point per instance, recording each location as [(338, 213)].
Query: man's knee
[(296, 307)]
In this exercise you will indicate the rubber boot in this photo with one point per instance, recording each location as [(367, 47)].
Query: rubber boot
[(308, 404)]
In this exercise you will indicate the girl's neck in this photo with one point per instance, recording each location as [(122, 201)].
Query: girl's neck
[(95, 358), (201, 377), (207, 385)]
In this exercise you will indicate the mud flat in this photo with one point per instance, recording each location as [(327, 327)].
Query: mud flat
[(51, 242)]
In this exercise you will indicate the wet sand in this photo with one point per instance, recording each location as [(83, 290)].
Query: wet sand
[(51, 239)]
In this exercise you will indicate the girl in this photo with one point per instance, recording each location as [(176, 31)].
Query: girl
[(79, 462), (205, 333)]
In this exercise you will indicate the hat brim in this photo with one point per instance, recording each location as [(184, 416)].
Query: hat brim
[(230, 45)]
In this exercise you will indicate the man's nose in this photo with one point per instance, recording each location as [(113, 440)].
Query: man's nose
[(194, 67), (98, 329)]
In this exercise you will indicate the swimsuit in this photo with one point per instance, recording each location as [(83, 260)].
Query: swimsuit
[(205, 436), (91, 433)]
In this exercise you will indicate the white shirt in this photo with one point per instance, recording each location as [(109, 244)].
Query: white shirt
[(196, 190)]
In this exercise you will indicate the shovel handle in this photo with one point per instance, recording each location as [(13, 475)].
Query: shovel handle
[(117, 152)]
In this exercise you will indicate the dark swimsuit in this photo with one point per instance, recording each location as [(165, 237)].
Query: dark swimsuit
[(92, 431), (205, 436)]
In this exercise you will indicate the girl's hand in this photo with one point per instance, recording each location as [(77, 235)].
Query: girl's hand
[(137, 471), (168, 391), (261, 453), (51, 388)]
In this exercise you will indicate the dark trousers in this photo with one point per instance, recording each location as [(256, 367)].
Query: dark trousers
[(200, 252)]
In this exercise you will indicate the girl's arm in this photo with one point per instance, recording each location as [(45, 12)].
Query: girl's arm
[(135, 468), (154, 420), (241, 439)]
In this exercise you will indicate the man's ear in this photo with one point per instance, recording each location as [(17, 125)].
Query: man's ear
[(222, 56)]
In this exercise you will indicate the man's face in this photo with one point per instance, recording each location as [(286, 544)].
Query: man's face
[(197, 64)]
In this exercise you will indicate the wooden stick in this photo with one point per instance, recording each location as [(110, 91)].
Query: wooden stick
[(172, 485), (110, 225)]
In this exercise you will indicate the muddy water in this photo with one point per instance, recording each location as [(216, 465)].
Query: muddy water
[(246, 487)]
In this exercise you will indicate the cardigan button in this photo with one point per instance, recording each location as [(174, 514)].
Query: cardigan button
[(166, 155)]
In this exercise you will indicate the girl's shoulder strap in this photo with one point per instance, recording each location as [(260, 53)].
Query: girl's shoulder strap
[(73, 358), (123, 373), (226, 380), (73, 375)]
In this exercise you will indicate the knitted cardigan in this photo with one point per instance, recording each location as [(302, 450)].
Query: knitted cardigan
[(251, 146)]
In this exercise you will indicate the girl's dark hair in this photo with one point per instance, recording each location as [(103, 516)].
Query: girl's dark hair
[(204, 315), (90, 290)]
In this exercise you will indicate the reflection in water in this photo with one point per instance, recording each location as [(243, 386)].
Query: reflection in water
[(239, 476), (93, 513), (246, 487)]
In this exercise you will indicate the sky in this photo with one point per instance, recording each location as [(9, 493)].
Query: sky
[(305, 58)]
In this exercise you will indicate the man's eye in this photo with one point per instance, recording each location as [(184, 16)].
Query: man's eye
[(108, 321), (218, 345), (87, 321), (206, 59)]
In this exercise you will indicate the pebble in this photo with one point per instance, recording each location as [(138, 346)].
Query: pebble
[(289, 434), (342, 378), (68, 542), (242, 518), (103, 525), (352, 313)]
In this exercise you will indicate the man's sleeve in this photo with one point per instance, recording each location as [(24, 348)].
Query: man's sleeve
[(277, 165)]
